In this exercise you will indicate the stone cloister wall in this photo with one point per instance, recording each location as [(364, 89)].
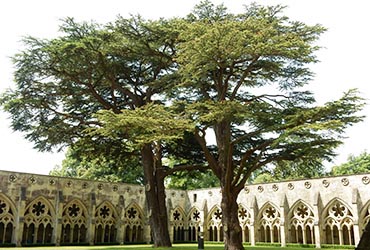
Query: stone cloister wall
[(55, 210)]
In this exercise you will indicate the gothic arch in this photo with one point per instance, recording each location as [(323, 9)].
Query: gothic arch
[(74, 222), (214, 224), (38, 221), (338, 223), (244, 216), (178, 216), (193, 222), (133, 223), (7, 215), (194, 217), (269, 220), (178, 222), (301, 223), (105, 222)]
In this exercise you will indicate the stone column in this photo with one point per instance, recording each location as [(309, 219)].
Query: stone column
[(340, 236), (304, 236), (356, 234), (170, 231), (252, 234), (317, 204), (121, 220), (57, 232), (147, 234), (19, 220), (282, 235), (317, 235), (91, 219)]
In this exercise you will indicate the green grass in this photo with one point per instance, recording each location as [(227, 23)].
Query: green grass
[(208, 246)]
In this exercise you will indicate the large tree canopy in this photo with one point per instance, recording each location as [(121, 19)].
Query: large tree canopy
[(239, 79), (243, 79), (63, 82)]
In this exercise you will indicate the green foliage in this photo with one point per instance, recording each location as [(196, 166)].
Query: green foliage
[(355, 165), (103, 90), (100, 167), (242, 77), (63, 82), (192, 180), (286, 170), (147, 124)]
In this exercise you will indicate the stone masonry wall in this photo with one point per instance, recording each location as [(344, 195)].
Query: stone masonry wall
[(38, 209)]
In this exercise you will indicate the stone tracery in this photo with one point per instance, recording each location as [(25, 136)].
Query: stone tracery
[(74, 227), (134, 224), (38, 211), (105, 223), (38, 221), (269, 221), (302, 224), (6, 219), (338, 223)]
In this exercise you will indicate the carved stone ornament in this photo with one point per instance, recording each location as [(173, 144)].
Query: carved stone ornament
[(100, 186), (275, 187), (365, 180), (12, 178), (326, 183), (52, 182), (246, 189), (260, 189), (32, 180), (307, 184), (291, 186), (345, 181), (115, 188)]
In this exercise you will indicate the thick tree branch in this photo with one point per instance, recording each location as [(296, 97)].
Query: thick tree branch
[(244, 75), (208, 155)]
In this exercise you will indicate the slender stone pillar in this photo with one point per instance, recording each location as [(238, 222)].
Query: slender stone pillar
[(252, 234), (282, 235), (21, 206), (57, 232)]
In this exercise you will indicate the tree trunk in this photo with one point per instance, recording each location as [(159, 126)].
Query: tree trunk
[(230, 220), (155, 198)]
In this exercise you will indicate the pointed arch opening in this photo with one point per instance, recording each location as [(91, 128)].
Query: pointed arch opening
[(38, 222), (133, 224), (269, 223), (7, 215), (193, 223), (301, 223), (338, 223), (214, 225), (105, 223), (74, 223)]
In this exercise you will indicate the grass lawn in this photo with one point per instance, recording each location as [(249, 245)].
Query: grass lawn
[(175, 247)]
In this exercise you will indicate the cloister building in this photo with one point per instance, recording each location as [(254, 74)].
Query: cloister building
[(39, 209)]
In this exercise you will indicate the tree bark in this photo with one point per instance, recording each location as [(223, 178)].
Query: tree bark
[(230, 221), (155, 198)]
